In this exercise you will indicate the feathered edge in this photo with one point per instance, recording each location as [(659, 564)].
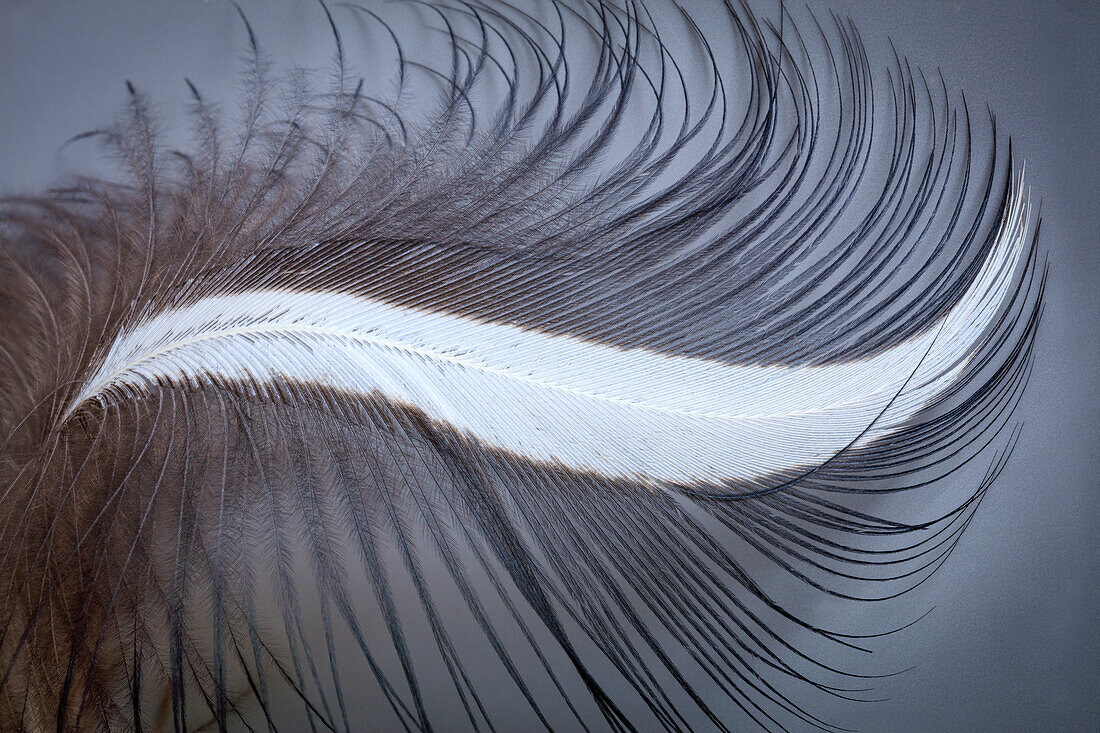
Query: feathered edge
[(124, 585)]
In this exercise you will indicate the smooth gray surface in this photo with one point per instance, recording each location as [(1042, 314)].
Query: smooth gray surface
[(1012, 644)]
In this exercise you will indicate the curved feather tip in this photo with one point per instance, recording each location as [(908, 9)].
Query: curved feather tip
[(362, 408)]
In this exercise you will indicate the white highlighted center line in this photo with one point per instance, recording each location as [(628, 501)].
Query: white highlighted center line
[(615, 411)]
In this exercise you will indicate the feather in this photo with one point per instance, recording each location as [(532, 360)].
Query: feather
[(362, 405)]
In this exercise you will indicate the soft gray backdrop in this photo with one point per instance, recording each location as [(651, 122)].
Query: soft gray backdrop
[(1013, 643)]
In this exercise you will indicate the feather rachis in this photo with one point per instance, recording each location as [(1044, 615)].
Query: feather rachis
[(340, 332)]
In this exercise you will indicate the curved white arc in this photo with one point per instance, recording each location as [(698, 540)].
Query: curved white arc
[(619, 412)]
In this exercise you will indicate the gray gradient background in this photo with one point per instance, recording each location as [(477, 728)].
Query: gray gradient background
[(1012, 644)]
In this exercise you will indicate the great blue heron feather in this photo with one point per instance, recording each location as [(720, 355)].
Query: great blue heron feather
[(547, 375)]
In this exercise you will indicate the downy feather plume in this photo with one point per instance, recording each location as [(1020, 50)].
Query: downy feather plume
[(545, 402)]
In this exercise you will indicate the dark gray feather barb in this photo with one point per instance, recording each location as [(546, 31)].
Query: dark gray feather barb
[(543, 380)]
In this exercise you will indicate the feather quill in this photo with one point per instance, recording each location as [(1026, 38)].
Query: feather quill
[(353, 395)]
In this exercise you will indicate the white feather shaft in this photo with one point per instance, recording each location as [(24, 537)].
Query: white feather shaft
[(619, 412)]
